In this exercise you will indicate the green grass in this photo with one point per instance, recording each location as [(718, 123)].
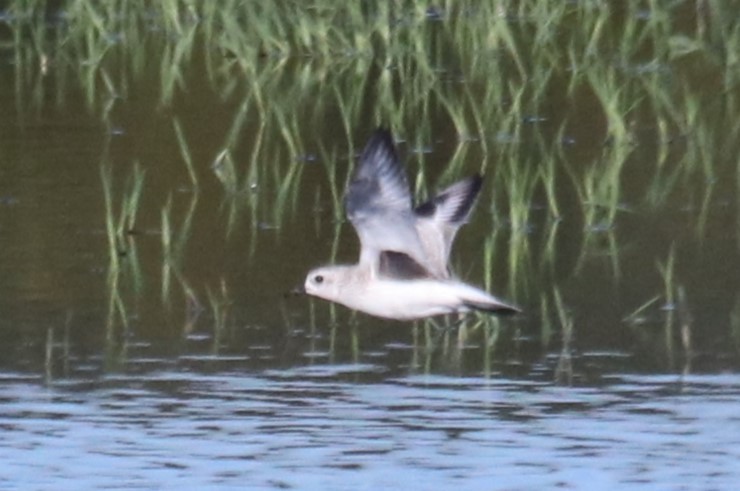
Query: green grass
[(121, 226), (556, 102)]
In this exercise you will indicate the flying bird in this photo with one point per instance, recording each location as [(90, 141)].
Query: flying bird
[(403, 272)]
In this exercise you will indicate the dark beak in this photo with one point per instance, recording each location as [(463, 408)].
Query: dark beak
[(299, 290)]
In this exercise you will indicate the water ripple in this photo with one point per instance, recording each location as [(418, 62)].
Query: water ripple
[(311, 428)]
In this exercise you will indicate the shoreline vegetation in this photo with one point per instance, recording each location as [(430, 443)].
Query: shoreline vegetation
[(582, 116)]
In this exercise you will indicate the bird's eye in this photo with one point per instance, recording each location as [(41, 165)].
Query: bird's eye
[(318, 278)]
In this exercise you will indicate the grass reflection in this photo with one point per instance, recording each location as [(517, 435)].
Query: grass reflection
[(577, 112)]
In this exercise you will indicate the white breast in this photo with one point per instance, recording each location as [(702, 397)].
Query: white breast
[(405, 300)]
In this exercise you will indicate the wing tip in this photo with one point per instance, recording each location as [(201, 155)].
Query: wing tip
[(457, 210), (473, 185), (380, 153), (383, 131), (380, 139), (378, 180), (496, 308)]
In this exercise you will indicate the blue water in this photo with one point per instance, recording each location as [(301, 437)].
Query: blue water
[(345, 427)]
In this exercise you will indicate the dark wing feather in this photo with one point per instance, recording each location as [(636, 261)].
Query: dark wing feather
[(493, 308), (398, 265), (379, 181), (378, 204), (439, 219), (453, 205)]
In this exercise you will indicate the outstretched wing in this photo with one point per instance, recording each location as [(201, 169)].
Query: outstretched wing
[(439, 219), (379, 182), (379, 204)]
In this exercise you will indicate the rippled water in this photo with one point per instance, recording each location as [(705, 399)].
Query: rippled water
[(342, 426)]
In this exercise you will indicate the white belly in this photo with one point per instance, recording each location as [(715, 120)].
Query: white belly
[(405, 300)]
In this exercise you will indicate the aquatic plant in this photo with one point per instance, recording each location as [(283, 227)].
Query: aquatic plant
[(584, 117)]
